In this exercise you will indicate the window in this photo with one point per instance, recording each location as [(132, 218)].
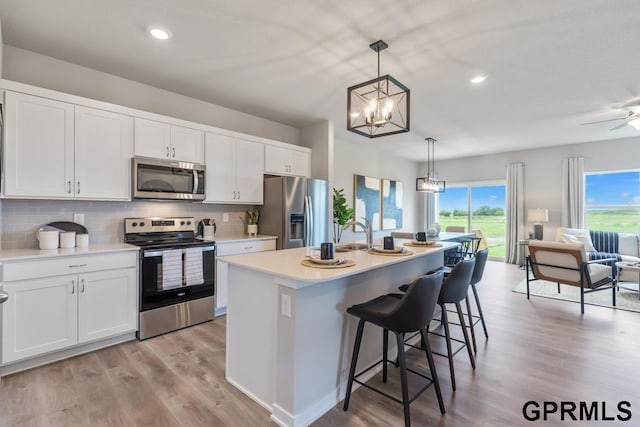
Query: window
[(476, 206), (612, 201)]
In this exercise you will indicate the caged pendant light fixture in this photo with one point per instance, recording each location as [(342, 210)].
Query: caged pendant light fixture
[(429, 183), (379, 107)]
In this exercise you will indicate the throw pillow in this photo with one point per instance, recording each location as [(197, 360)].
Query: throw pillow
[(581, 234), (583, 238)]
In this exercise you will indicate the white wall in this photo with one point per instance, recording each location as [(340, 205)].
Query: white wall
[(44, 71), (543, 169), (364, 159), (319, 137)]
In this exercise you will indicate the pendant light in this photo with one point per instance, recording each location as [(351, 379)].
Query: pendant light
[(378, 107), (429, 183)]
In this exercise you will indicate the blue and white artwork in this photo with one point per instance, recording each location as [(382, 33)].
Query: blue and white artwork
[(367, 200), (391, 204)]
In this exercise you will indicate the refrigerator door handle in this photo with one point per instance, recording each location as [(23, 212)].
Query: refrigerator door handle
[(308, 219)]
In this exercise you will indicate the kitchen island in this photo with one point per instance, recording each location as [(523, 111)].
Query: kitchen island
[(289, 339)]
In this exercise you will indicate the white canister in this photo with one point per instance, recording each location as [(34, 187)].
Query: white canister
[(48, 239), (68, 239), (208, 232), (82, 240)]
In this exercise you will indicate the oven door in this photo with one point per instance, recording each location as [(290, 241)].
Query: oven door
[(152, 290), (163, 179)]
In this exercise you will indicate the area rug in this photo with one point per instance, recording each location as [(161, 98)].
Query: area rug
[(625, 299)]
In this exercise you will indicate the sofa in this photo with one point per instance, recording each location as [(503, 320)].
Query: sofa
[(604, 244)]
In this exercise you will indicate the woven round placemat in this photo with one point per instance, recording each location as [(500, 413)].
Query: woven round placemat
[(405, 253), (348, 263), (418, 245)]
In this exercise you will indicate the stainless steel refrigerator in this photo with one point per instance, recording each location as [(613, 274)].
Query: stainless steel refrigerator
[(296, 210)]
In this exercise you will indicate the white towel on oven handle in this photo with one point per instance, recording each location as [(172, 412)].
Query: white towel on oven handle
[(171, 269), (193, 271)]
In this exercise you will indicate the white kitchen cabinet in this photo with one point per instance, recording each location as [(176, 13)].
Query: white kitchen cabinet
[(57, 150), (44, 314), (236, 247), (164, 141), (107, 303), (235, 170), (39, 317), (287, 161), (103, 151), (38, 147)]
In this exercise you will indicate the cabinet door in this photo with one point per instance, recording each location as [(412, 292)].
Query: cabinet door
[(40, 316), (152, 139), (186, 144), (274, 160), (103, 150), (298, 163), (222, 283), (249, 171), (107, 304), (38, 147), (220, 159)]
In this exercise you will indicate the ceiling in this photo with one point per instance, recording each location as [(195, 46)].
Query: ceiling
[(551, 65)]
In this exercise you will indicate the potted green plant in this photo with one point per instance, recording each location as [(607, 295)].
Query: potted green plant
[(342, 213), (252, 221)]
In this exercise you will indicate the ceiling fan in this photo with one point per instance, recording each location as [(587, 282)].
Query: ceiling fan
[(631, 119)]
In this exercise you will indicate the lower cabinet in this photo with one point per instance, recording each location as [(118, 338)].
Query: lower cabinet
[(106, 304), (46, 314), (235, 247)]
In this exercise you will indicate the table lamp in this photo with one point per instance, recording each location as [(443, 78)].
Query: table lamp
[(537, 216)]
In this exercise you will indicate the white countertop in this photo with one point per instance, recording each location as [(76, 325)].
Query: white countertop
[(287, 263), (18, 254), (241, 238)]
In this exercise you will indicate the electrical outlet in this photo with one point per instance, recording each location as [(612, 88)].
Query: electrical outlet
[(286, 305), (225, 217), (78, 218)]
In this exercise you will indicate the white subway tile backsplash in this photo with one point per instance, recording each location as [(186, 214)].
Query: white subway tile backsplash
[(104, 220)]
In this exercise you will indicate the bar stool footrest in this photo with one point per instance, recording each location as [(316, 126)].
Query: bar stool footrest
[(395, 399)]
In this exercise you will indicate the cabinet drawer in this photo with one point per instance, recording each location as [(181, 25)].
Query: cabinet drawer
[(245, 247), (31, 269)]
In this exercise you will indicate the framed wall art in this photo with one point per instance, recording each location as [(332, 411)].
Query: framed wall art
[(391, 212), (366, 194)]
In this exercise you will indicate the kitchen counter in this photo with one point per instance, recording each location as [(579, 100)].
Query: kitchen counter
[(289, 338), (285, 264), (18, 254), (241, 238)]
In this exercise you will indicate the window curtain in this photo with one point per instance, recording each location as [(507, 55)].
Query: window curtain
[(515, 211), (430, 213), (573, 192)]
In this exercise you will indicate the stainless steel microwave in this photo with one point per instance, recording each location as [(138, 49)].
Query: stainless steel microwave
[(167, 179)]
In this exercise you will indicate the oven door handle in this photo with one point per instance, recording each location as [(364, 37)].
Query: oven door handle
[(149, 254)]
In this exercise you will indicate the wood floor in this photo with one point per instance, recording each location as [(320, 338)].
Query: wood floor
[(540, 350)]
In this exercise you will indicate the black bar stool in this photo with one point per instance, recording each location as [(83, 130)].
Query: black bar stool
[(411, 312), (478, 272), (454, 290)]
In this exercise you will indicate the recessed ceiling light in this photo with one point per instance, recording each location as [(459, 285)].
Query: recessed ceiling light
[(159, 33), (478, 79)]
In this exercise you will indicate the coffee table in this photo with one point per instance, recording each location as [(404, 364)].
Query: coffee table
[(631, 267)]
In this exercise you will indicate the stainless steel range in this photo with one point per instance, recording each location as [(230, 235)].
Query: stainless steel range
[(176, 274)]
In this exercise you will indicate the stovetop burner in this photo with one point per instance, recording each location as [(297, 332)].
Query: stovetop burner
[(161, 232)]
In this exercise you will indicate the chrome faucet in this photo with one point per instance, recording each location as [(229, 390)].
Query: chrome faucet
[(366, 227)]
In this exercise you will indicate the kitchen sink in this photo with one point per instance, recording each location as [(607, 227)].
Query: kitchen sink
[(348, 247)]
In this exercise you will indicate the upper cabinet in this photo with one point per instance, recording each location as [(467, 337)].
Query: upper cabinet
[(59, 150), (235, 170), (164, 141), (287, 161)]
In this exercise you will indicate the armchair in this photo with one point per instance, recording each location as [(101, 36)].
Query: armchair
[(568, 263)]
